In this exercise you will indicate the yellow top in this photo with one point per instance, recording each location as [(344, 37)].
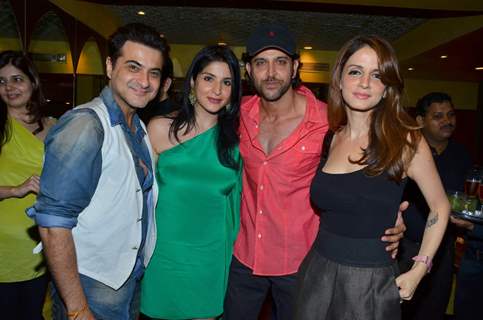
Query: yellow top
[(20, 158)]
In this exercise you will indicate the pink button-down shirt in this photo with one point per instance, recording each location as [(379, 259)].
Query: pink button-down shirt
[(278, 224)]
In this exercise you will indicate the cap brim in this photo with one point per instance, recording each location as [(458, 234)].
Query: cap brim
[(252, 54)]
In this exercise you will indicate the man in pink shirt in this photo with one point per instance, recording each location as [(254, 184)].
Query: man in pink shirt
[(281, 134)]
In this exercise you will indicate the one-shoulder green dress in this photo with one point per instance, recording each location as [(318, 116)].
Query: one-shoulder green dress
[(197, 219)]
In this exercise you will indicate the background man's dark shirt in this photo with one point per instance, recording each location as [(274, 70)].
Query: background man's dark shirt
[(157, 108), (452, 164)]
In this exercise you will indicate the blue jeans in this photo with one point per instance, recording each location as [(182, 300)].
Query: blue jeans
[(104, 302)]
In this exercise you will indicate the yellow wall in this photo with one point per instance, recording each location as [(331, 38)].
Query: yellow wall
[(87, 87), (433, 33), (183, 54), (10, 44), (97, 16), (464, 94), (317, 56), (52, 47), (90, 60)]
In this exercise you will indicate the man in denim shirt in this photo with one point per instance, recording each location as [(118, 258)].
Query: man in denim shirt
[(95, 209)]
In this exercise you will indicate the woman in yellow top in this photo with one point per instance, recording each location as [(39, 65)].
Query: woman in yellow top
[(23, 281)]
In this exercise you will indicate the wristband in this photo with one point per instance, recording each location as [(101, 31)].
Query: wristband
[(77, 313), (424, 259)]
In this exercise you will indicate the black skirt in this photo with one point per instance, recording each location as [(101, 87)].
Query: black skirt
[(328, 290)]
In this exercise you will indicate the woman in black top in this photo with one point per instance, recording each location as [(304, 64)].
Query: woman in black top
[(372, 148)]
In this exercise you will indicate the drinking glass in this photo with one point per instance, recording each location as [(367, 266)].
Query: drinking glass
[(469, 205), (457, 200), (472, 183)]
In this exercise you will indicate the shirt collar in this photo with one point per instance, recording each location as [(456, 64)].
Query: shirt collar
[(435, 152), (115, 114), (313, 111)]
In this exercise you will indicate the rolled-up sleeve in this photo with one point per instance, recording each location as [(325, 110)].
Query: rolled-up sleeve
[(71, 171)]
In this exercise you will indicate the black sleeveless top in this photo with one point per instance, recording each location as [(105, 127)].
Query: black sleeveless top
[(355, 211)]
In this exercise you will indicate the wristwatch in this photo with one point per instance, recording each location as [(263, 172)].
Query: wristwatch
[(426, 260)]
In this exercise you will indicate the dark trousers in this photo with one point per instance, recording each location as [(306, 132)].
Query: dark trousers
[(23, 300), (432, 295), (247, 292), (469, 286)]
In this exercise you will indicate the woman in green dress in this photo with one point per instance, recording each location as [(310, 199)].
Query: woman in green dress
[(198, 173)]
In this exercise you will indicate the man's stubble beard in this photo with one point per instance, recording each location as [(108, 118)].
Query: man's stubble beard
[(274, 97)]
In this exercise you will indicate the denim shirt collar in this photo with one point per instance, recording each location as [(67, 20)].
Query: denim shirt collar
[(116, 116)]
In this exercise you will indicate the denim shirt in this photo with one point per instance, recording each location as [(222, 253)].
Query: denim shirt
[(73, 164)]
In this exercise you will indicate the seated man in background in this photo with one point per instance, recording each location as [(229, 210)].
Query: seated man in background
[(435, 113)]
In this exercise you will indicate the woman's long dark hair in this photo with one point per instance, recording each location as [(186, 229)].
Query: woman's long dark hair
[(228, 118), (393, 134), (37, 100)]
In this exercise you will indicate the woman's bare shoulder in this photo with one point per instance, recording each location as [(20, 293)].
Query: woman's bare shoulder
[(158, 131)]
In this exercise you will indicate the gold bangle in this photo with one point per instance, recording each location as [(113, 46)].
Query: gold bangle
[(74, 314)]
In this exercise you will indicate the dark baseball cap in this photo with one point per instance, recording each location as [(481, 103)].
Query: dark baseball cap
[(271, 36)]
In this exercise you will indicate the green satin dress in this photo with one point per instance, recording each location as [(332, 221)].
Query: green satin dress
[(197, 219)]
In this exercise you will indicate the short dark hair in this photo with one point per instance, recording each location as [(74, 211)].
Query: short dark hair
[(168, 69), (434, 97), (135, 32)]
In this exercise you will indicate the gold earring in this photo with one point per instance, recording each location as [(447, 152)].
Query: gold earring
[(192, 98)]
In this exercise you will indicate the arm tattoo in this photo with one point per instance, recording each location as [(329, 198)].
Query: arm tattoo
[(432, 220)]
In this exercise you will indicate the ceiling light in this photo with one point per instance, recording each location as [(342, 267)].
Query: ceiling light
[(410, 68), (444, 57), (222, 43), (479, 68), (141, 13), (48, 100), (67, 102), (308, 48)]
